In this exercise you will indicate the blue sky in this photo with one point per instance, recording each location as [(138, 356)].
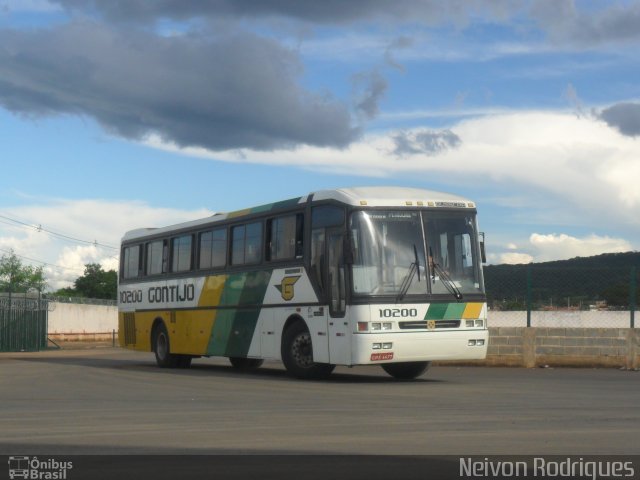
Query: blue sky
[(127, 113)]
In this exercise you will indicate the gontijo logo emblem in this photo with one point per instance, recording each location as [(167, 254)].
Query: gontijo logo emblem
[(286, 287)]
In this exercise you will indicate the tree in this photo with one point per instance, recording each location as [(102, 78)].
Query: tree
[(18, 278), (95, 283)]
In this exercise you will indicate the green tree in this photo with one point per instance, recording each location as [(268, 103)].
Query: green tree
[(95, 283), (18, 278)]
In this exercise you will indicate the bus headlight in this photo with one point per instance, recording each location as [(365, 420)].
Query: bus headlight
[(386, 326), (479, 323), (376, 326), (469, 323)]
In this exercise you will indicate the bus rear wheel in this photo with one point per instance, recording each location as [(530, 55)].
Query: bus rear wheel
[(406, 370), (242, 363), (297, 354), (162, 350)]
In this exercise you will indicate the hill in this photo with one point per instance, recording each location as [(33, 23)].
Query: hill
[(579, 281)]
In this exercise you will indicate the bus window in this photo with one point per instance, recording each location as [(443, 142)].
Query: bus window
[(245, 243), (285, 237), (213, 248), (322, 217), (326, 216), (131, 263), (156, 257), (181, 254)]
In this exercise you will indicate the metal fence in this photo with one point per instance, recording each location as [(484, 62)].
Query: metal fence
[(539, 288), (23, 322)]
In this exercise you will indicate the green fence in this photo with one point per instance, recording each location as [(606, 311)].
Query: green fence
[(547, 287), (23, 323)]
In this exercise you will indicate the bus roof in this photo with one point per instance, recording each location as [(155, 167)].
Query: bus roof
[(355, 196)]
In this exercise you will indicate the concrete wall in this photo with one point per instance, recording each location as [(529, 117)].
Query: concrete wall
[(563, 319), (71, 321), (579, 347)]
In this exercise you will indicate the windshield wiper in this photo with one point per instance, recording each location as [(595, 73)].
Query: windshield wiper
[(444, 278), (406, 283)]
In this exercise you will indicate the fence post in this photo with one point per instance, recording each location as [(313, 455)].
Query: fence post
[(633, 290), (529, 296)]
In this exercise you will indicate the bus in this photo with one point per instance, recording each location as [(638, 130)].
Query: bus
[(353, 276)]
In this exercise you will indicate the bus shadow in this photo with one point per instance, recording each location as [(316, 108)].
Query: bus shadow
[(268, 372)]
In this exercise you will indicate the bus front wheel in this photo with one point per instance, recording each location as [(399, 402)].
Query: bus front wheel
[(406, 370), (297, 354)]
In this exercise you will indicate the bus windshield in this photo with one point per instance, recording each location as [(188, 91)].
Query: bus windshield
[(386, 245)]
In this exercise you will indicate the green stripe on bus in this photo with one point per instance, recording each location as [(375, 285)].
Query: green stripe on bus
[(445, 311), (234, 328)]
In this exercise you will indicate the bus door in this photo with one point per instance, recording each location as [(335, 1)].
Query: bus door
[(338, 324)]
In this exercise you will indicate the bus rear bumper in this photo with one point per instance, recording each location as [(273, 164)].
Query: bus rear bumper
[(419, 346)]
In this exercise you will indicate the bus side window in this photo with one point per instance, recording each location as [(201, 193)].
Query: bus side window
[(213, 248), (181, 253), (246, 241), (284, 237), (155, 257), (132, 262)]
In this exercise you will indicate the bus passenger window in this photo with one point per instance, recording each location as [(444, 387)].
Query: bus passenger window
[(131, 263), (245, 243), (213, 248), (285, 237), (181, 254), (155, 257)]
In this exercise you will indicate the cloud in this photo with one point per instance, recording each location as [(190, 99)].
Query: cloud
[(370, 88), (106, 221), (512, 258), (549, 247), (625, 117), (222, 92), (326, 12), (583, 167), (425, 142), (560, 246), (567, 24)]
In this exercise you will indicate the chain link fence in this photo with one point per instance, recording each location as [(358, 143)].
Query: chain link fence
[(592, 296)]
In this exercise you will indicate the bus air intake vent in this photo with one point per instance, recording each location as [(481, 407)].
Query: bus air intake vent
[(129, 328)]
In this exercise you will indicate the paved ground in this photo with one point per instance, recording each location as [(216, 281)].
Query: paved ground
[(107, 400)]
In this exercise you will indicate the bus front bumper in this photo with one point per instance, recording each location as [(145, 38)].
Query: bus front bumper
[(370, 348)]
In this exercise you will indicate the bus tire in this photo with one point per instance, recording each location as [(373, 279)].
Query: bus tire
[(242, 363), (297, 354), (162, 348), (406, 370)]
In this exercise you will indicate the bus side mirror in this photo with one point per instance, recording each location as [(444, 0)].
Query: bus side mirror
[(483, 254)]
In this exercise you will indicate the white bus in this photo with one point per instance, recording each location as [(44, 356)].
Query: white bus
[(353, 276)]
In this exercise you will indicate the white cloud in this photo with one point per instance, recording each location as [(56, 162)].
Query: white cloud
[(560, 246), (101, 221), (514, 258), (549, 247), (580, 162)]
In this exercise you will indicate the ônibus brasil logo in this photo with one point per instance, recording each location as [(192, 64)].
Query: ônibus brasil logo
[(33, 468)]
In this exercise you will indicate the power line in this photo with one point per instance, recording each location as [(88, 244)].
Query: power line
[(10, 252), (40, 228)]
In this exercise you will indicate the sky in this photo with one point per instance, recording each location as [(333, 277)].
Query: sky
[(121, 114)]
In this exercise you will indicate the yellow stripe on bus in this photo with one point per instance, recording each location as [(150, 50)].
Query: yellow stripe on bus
[(472, 310)]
